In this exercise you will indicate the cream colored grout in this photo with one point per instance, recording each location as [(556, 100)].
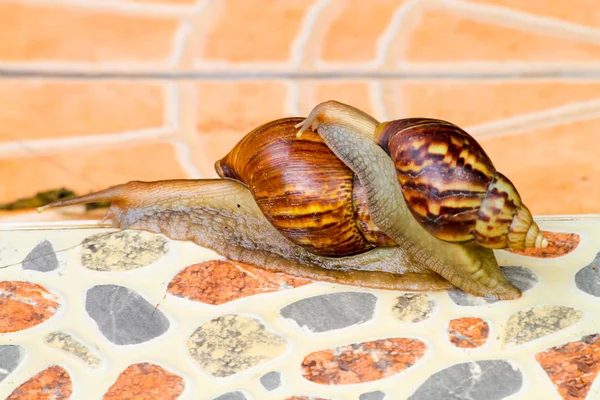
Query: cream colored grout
[(474, 71), (292, 99), (314, 46), (183, 150), (298, 47), (535, 126), (262, 66), (179, 43), (298, 52), (37, 147), (530, 122), (202, 22), (121, 7), (184, 156), (384, 42), (399, 100), (27, 148), (498, 15), (495, 69), (85, 69), (172, 106), (376, 95), (187, 133)]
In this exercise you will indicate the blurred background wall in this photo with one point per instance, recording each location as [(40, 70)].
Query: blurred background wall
[(99, 92)]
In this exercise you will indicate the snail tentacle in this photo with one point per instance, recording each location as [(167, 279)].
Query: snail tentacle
[(222, 215), (350, 135)]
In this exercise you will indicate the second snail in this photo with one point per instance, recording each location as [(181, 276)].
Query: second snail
[(413, 204)]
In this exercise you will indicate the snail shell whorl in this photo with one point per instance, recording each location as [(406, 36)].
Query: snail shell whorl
[(453, 189), (303, 189)]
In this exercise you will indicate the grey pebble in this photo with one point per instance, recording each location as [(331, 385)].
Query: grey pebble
[(271, 380), (587, 279), (474, 380), (377, 395), (10, 357), (123, 316), (42, 258), (231, 396), (333, 311)]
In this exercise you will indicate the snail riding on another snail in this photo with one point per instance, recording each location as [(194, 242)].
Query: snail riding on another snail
[(413, 204)]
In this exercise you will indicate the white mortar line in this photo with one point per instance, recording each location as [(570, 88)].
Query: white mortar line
[(376, 95), (382, 44), (27, 148), (121, 7), (535, 126), (184, 156), (178, 43), (21, 148), (302, 38), (535, 120), (292, 99), (502, 16), (262, 66), (173, 112), (391, 31), (514, 69), (172, 106), (221, 71)]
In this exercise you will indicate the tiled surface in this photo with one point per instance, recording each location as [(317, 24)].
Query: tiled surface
[(94, 313), (95, 93)]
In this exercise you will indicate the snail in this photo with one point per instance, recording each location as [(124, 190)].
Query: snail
[(412, 204)]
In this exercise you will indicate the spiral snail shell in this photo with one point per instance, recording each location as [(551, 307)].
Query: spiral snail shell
[(412, 204), (303, 189), (453, 189)]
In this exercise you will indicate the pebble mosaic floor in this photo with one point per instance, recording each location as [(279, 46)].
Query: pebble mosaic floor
[(94, 313)]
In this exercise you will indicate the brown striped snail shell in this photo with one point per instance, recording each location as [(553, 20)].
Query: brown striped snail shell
[(303, 189), (314, 199), (452, 187)]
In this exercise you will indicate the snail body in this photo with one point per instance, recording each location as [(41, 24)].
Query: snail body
[(411, 204)]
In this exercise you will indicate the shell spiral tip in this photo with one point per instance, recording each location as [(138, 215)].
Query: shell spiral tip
[(540, 241)]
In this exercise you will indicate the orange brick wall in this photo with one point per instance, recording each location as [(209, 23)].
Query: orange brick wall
[(98, 92)]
